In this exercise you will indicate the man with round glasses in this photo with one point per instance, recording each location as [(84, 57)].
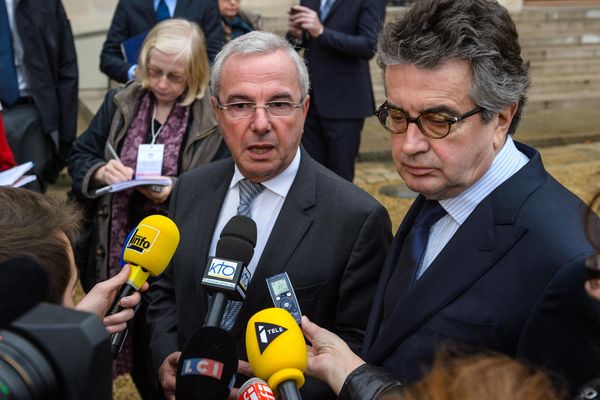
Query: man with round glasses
[(490, 256), (328, 235)]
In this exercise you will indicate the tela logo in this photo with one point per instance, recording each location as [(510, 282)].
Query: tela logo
[(223, 269), (266, 333), (202, 366)]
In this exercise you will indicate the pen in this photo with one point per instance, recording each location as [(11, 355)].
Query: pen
[(113, 152)]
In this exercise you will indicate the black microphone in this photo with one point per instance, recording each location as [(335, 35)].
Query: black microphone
[(207, 365), (23, 284), (226, 276)]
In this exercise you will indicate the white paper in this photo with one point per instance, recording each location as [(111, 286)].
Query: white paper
[(117, 187), (10, 176)]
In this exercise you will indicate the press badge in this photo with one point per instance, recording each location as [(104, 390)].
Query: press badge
[(149, 161)]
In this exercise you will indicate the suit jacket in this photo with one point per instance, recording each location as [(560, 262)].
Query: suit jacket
[(133, 17), (330, 237), (511, 279), (50, 64), (338, 60)]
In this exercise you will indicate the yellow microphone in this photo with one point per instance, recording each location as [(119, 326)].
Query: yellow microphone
[(148, 250), (277, 351)]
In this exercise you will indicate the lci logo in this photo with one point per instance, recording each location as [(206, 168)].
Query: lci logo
[(223, 269), (202, 366), (143, 238)]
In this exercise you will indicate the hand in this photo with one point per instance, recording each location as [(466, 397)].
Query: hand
[(592, 287), (101, 297), (167, 374), (112, 172), (329, 359), (294, 29), (157, 197), (306, 19)]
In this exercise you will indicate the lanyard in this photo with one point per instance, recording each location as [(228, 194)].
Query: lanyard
[(155, 135)]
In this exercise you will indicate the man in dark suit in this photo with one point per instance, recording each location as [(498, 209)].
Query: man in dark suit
[(134, 17), (339, 39), (491, 254), (38, 84), (328, 235)]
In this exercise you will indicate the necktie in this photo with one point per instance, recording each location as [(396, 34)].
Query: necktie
[(9, 86), (411, 255), (325, 7), (162, 11), (248, 191)]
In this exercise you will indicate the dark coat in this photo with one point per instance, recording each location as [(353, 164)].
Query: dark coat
[(330, 237), (133, 17), (338, 60), (50, 64), (511, 280)]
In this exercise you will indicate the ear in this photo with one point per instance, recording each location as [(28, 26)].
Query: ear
[(306, 105), (502, 123), (215, 110)]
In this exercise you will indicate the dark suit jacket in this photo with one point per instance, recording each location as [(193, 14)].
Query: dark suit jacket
[(330, 237), (338, 60), (511, 280), (133, 17)]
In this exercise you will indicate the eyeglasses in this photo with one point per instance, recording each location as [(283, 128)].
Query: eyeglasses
[(172, 77), (247, 109), (433, 125)]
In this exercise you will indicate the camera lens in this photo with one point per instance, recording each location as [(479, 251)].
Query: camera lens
[(24, 372)]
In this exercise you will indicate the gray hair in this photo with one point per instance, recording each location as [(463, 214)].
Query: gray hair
[(253, 43), (480, 32)]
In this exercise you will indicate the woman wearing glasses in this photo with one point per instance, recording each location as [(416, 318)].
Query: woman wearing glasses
[(159, 124)]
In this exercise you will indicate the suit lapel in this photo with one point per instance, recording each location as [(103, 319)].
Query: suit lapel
[(206, 203), (289, 229), (333, 8), (181, 8)]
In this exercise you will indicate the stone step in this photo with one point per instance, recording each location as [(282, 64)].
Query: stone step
[(565, 83), (559, 27), (568, 52), (531, 14), (559, 39), (557, 100), (564, 67)]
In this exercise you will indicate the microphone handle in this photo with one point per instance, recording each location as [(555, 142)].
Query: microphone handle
[(288, 391), (117, 339), (216, 310), (125, 291)]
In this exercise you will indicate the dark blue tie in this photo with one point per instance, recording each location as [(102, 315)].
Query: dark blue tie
[(9, 85), (325, 7), (162, 11), (411, 255)]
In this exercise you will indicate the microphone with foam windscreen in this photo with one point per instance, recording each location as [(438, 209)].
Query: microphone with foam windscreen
[(226, 276), (148, 250), (207, 365), (23, 284), (277, 351), (255, 389)]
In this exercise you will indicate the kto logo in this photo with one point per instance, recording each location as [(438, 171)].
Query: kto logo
[(223, 269), (143, 238), (202, 366)]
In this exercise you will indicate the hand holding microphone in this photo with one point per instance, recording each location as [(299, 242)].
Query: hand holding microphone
[(277, 351), (148, 250)]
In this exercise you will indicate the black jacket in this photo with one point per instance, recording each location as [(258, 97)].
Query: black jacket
[(368, 382), (50, 65), (133, 17)]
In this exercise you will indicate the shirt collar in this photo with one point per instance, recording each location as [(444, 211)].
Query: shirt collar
[(280, 184), (506, 163)]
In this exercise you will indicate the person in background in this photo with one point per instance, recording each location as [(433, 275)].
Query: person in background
[(39, 84), (165, 115), (135, 17), (235, 21), (43, 228), (338, 38), (7, 160)]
